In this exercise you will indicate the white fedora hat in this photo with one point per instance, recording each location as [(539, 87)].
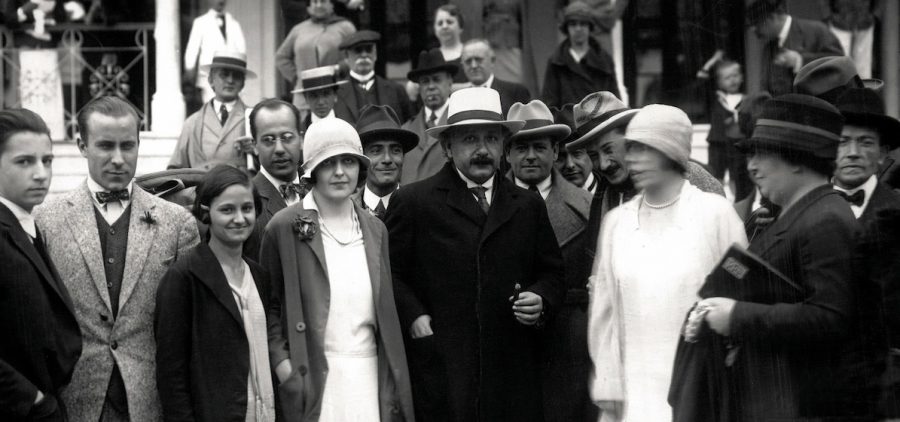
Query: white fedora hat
[(328, 138), (475, 106)]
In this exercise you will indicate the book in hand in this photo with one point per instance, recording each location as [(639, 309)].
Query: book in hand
[(745, 277)]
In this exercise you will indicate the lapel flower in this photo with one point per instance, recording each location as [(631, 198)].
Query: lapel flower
[(305, 226), (148, 218)]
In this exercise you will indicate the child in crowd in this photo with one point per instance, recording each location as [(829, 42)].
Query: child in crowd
[(724, 131)]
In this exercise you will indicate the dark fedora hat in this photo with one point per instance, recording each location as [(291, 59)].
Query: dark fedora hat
[(827, 78), (863, 107), (360, 37), (380, 122), (797, 123), (431, 61)]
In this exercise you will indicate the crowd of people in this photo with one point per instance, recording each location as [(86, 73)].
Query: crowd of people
[(488, 257)]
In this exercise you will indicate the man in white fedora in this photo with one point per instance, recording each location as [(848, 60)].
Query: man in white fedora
[(476, 269), (212, 135)]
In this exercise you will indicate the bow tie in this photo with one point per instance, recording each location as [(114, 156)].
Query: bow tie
[(116, 195), (290, 188), (856, 198)]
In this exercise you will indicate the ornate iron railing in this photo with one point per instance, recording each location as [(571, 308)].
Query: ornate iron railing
[(92, 61)]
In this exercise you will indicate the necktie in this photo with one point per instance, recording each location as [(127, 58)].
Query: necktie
[(290, 189), (432, 121), (117, 195), (364, 84), (221, 18), (856, 198), (380, 209), (533, 188), (482, 199), (223, 114)]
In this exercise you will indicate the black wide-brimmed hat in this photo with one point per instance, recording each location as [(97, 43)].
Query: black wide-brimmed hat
[(431, 61), (797, 123), (380, 122), (863, 107), (360, 37)]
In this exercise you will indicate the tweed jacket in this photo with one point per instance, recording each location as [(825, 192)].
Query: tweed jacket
[(387, 92), (70, 227), (288, 259), (811, 39), (204, 142), (428, 157), (41, 340)]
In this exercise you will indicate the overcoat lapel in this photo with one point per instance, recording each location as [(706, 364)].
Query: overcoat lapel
[(21, 241), (211, 121), (141, 236), (566, 222), (774, 234), (372, 242), (83, 223), (209, 272), (459, 197), (503, 206), (274, 200), (878, 197), (315, 243), (235, 120), (347, 95)]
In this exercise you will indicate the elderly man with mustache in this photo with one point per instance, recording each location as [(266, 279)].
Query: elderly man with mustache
[(365, 87), (476, 268)]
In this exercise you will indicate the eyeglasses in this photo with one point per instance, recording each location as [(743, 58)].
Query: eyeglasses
[(286, 138)]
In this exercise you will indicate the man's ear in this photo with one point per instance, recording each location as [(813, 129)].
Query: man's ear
[(82, 146)]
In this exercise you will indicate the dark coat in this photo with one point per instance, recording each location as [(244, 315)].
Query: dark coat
[(202, 353), (459, 266), (271, 202), (41, 338), (569, 82), (788, 362), (811, 39), (510, 93), (303, 263), (387, 92)]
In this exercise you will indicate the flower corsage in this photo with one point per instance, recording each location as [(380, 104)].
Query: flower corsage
[(306, 226)]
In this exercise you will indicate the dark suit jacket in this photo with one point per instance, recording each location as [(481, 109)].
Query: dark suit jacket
[(202, 353), (460, 266), (387, 92), (271, 202), (41, 339), (787, 365), (811, 39), (510, 93)]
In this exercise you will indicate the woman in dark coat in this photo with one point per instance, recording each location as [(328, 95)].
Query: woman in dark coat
[(212, 361), (786, 359)]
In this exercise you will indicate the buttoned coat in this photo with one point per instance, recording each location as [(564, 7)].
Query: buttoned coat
[(460, 266), (812, 39), (205, 143), (70, 227), (428, 156), (41, 340), (299, 276), (387, 93), (203, 355)]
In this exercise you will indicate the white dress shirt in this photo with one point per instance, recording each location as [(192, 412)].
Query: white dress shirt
[(368, 77), (26, 220), (486, 84), (589, 183), (868, 187), (543, 187), (111, 211), (439, 112), (488, 184), (371, 199), (278, 182), (314, 118), (217, 106)]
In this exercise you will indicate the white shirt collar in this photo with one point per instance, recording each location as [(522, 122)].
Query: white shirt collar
[(757, 201), (371, 199), (868, 187), (543, 187), (26, 220), (367, 77), (577, 56), (314, 118), (782, 36), (489, 184), (228, 106), (589, 182), (278, 182), (214, 13), (95, 187), (440, 111), (487, 84)]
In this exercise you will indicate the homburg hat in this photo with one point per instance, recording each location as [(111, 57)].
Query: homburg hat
[(431, 61), (797, 123)]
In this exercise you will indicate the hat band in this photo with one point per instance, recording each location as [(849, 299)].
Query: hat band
[(474, 115), (596, 121), (318, 81), (229, 61), (798, 127), (536, 124)]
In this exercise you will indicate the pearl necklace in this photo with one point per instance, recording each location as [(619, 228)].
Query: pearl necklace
[(666, 204)]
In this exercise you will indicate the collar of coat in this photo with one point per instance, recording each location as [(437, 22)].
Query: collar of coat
[(591, 60), (505, 204)]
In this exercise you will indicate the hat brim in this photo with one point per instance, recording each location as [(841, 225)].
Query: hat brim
[(748, 146), (607, 125), (248, 74), (316, 88), (450, 68), (310, 165), (513, 125), (407, 139), (556, 132), (888, 126)]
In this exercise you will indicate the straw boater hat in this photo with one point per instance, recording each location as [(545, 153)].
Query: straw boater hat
[(319, 78), (229, 60), (538, 122), (328, 138), (597, 114), (473, 107), (863, 107), (799, 124), (431, 61), (828, 77), (379, 122), (360, 37)]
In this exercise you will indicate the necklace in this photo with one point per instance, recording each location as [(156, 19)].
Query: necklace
[(662, 205), (339, 241)]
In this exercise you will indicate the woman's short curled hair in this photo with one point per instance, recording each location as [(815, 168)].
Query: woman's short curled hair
[(454, 11), (215, 182)]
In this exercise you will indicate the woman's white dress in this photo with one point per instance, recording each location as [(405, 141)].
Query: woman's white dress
[(644, 280)]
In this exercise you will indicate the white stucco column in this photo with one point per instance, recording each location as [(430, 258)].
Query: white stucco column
[(168, 104)]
